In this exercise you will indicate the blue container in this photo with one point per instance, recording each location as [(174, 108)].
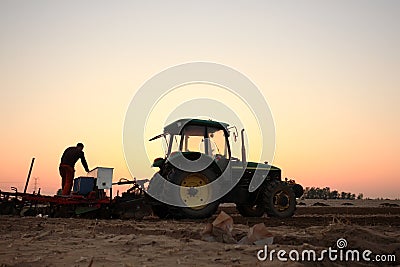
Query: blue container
[(83, 185)]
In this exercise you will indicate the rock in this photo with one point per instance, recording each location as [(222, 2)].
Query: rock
[(258, 235), (220, 230)]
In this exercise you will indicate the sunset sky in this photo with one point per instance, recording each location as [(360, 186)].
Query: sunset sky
[(328, 69)]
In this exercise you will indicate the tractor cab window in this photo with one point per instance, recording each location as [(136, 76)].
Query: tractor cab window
[(193, 139), (175, 143), (217, 142), (207, 140)]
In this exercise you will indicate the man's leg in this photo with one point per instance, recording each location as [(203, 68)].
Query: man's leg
[(69, 178), (62, 174)]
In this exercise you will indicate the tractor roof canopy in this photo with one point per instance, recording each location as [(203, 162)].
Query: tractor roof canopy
[(177, 126)]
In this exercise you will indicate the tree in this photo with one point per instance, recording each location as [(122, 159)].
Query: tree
[(334, 194), (326, 193)]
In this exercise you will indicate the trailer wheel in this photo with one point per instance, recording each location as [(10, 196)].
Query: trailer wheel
[(8, 208), (279, 199)]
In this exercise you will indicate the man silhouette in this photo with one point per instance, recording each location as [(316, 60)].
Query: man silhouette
[(67, 171)]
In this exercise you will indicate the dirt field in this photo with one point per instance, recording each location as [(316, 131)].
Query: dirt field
[(30, 241)]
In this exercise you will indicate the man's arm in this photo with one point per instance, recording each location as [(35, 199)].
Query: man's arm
[(84, 163)]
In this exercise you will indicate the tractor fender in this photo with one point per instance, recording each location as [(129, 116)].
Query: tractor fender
[(261, 172), (297, 189)]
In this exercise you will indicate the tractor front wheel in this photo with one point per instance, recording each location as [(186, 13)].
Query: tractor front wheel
[(279, 199)]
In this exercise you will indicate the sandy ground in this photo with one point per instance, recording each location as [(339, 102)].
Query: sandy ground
[(35, 241)]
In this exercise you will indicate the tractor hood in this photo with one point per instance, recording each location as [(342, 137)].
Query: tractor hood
[(261, 166)]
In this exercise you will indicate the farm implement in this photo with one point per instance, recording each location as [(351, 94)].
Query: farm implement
[(85, 202)]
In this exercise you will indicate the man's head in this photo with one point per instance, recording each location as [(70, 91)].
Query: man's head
[(79, 146)]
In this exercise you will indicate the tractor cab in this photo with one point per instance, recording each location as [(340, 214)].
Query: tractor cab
[(193, 138), (211, 140)]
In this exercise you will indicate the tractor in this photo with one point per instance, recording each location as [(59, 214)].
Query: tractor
[(255, 188)]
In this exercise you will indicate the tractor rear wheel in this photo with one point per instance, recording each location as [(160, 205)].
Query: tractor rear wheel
[(279, 199), (194, 194)]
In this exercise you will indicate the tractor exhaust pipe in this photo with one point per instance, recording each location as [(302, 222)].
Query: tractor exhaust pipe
[(243, 150)]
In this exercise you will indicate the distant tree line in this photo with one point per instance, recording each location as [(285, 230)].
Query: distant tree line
[(326, 193)]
